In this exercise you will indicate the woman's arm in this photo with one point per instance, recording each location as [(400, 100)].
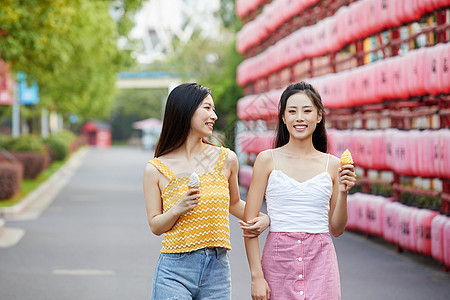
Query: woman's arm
[(343, 181), (236, 204), (161, 222), (261, 171), (255, 226)]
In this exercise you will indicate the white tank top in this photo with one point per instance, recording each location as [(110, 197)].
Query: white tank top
[(295, 206)]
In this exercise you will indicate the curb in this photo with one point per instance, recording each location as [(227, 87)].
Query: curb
[(2, 227), (65, 171)]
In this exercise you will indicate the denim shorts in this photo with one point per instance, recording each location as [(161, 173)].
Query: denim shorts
[(201, 274)]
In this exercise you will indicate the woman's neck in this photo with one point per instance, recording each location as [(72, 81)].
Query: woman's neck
[(303, 148), (193, 146)]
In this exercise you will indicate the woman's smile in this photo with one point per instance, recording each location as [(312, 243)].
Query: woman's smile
[(300, 128)]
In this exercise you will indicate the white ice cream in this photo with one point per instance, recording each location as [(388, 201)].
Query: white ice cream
[(194, 181)]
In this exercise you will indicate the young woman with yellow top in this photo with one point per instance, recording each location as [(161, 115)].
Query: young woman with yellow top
[(193, 262)]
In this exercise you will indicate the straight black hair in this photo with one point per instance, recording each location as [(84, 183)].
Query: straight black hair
[(181, 104), (319, 137)]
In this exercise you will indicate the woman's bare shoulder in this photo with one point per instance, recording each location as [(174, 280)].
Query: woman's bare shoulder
[(333, 165), (264, 161), (231, 157), (265, 155), (334, 161), (151, 171)]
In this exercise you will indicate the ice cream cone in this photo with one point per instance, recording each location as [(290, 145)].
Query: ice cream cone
[(346, 158), (194, 181)]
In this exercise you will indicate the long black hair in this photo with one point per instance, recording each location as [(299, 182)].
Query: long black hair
[(181, 104), (319, 137)]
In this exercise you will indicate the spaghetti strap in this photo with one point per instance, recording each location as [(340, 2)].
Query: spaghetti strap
[(163, 168), (222, 158), (326, 170), (273, 158)]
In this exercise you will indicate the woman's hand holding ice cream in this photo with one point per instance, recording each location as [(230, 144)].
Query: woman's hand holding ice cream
[(191, 198), (347, 176), (188, 202)]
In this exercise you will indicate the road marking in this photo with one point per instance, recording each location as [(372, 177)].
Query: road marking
[(83, 272), (11, 236)]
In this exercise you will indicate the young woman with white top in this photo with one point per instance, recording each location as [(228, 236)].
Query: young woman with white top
[(306, 194)]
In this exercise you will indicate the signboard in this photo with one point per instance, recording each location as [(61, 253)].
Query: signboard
[(28, 95), (6, 85)]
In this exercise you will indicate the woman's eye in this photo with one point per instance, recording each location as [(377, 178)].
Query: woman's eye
[(292, 111), (307, 111)]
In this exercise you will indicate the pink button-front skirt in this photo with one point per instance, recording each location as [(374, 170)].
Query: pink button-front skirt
[(300, 265)]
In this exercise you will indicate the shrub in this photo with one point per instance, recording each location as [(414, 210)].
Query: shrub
[(8, 158), (57, 148), (66, 136), (34, 163), (72, 141), (10, 179), (4, 140), (26, 143), (30, 151)]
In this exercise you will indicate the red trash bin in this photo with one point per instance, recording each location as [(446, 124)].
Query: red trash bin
[(97, 133)]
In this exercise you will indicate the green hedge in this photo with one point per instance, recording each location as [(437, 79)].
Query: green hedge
[(57, 148), (66, 136), (25, 143), (4, 140)]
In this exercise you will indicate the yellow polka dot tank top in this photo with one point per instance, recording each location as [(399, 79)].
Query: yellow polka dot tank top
[(207, 225)]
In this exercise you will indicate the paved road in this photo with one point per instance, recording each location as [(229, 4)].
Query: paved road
[(93, 242)]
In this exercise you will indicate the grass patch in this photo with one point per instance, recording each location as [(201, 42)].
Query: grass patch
[(119, 143), (29, 185)]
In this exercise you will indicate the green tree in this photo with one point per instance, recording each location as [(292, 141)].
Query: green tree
[(227, 15), (212, 62), (133, 105), (209, 61), (33, 35), (221, 79), (69, 48), (85, 84)]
